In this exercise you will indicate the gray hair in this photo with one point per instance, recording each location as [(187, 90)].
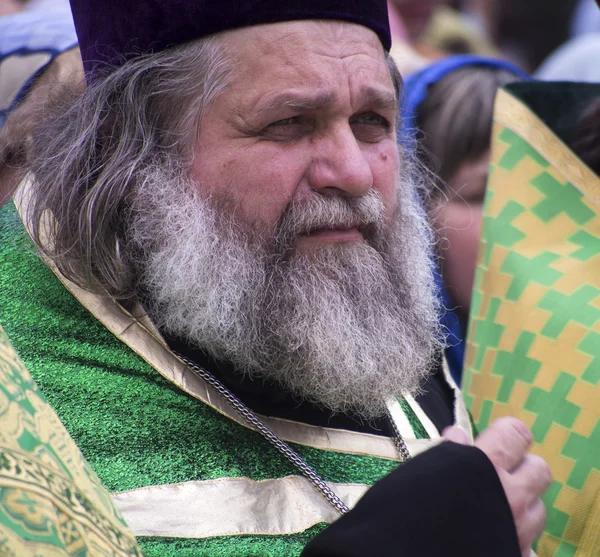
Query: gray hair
[(90, 154), (87, 155)]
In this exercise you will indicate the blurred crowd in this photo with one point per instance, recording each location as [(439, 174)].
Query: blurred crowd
[(529, 34)]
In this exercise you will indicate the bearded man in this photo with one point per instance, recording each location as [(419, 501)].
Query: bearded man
[(234, 259)]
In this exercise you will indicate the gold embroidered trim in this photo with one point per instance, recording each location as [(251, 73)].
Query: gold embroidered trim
[(515, 115)]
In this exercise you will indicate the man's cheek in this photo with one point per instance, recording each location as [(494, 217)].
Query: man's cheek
[(388, 188)]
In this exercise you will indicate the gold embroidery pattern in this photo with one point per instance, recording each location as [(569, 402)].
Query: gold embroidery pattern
[(49, 496)]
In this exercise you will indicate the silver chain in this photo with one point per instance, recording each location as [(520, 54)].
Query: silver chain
[(398, 440), (281, 445)]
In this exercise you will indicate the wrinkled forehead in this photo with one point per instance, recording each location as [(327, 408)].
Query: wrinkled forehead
[(313, 53), (322, 34)]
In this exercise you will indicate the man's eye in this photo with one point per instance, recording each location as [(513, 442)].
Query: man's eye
[(287, 129), (371, 127), (284, 122), (372, 119)]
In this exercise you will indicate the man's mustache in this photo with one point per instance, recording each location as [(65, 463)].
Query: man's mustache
[(328, 213)]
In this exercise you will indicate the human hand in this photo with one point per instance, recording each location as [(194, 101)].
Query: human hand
[(524, 477)]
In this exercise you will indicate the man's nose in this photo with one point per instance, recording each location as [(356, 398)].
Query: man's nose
[(339, 165)]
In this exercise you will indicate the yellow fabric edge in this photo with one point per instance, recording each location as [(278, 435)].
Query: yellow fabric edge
[(69, 467), (518, 117), (12, 482), (429, 426), (461, 414), (589, 544)]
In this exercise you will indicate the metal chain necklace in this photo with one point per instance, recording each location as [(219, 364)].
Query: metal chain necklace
[(281, 445)]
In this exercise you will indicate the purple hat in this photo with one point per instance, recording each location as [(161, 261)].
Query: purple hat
[(112, 31)]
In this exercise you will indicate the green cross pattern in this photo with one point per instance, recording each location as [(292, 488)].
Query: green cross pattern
[(20, 398), (552, 407), (556, 520), (515, 366), (527, 199), (488, 333), (476, 297), (586, 454), (502, 231), (517, 151), (560, 198), (565, 549), (591, 345), (69, 533), (526, 270), (486, 414), (590, 245), (27, 441), (26, 529), (569, 308), (31, 505)]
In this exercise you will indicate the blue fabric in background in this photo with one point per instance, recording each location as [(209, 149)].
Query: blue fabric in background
[(417, 84), (33, 32), (454, 331)]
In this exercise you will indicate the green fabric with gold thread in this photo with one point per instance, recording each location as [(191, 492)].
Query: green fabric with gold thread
[(51, 502)]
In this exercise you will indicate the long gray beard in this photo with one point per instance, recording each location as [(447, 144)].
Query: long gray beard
[(346, 326)]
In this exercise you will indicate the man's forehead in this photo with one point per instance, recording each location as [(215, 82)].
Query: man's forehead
[(308, 99), (326, 38), (304, 63)]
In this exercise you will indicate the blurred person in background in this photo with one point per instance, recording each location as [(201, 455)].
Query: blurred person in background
[(8, 7), (30, 41), (528, 31), (405, 50), (427, 30), (20, 127), (586, 18), (410, 18), (451, 105), (455, 33), (576, 60)]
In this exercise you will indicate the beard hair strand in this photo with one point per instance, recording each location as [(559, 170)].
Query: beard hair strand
[(345, 326)]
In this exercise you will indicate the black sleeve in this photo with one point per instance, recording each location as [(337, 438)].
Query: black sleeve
[(448, 501)]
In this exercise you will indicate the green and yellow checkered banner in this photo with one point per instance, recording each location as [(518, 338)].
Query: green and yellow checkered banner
[(534, 335)]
